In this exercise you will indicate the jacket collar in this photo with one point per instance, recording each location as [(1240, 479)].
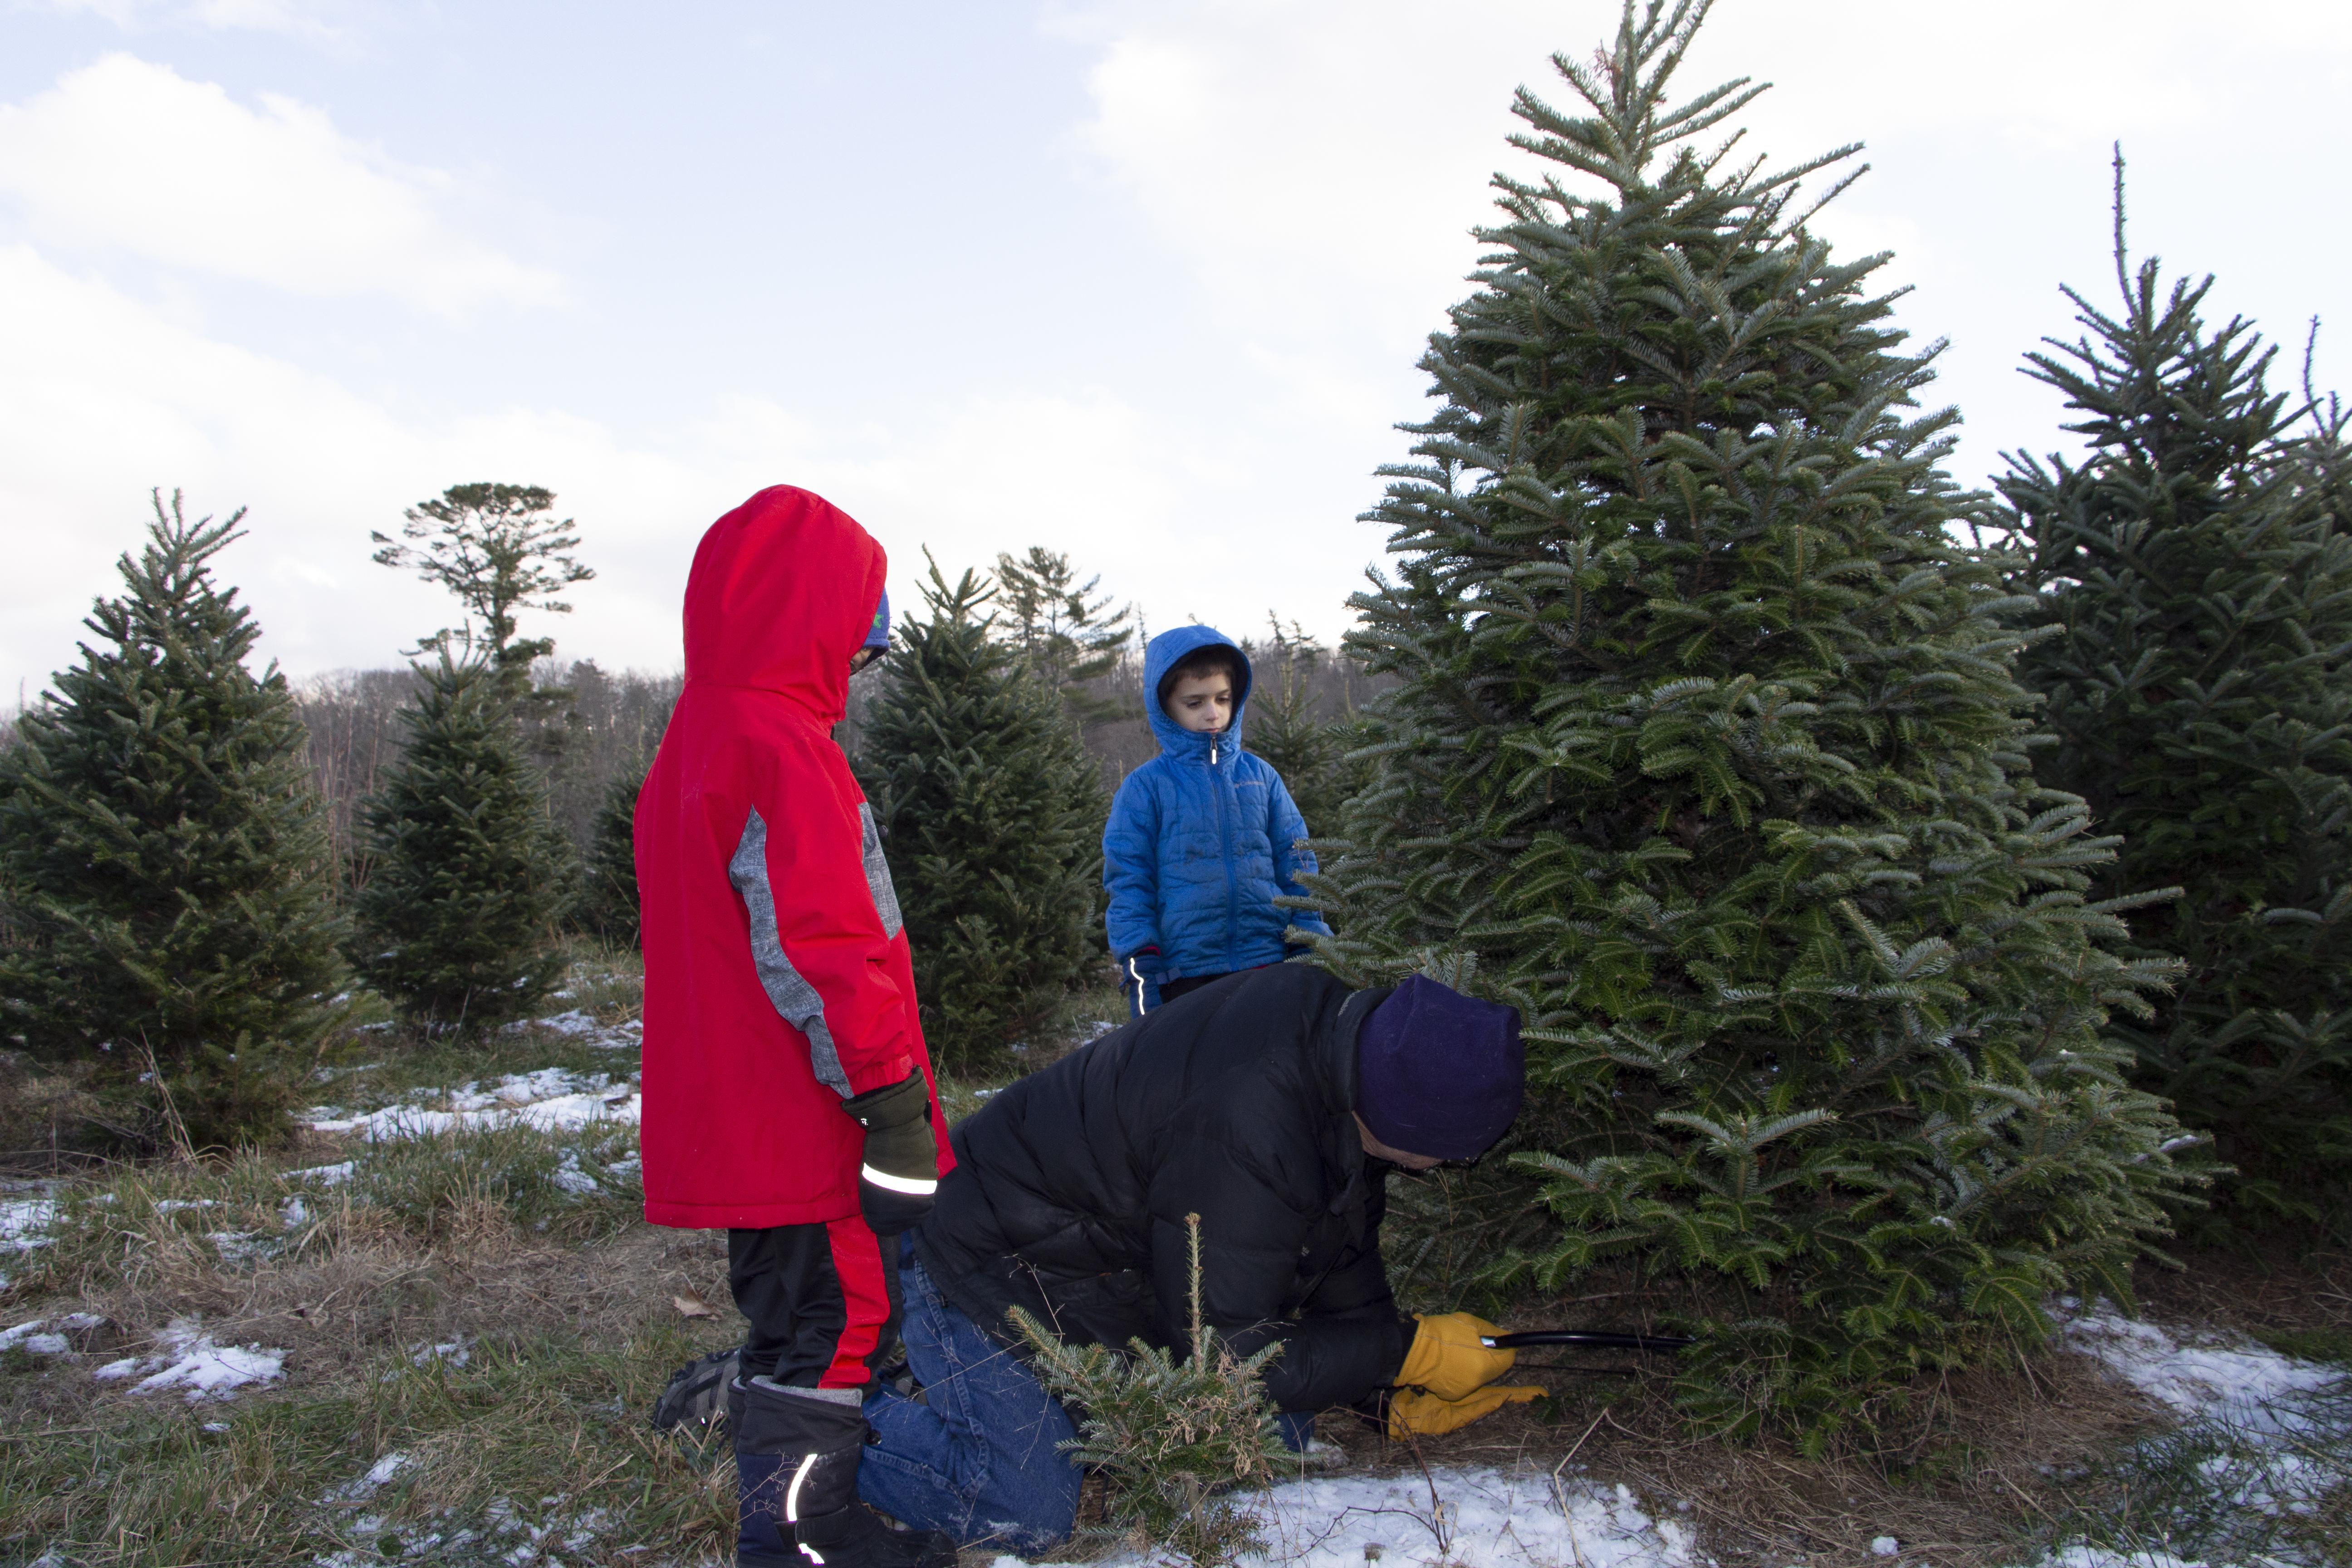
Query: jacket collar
[(1336, 1052)]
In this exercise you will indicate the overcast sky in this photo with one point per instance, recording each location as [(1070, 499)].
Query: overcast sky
[(1145, 283)]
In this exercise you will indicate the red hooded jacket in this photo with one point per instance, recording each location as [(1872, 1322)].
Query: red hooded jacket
[(777, 976)]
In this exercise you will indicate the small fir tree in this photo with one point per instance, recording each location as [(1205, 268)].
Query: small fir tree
[(466, 870), (1171, 1431), (1067, 633), (608, 901), (2193, 578), (992, 815), (1706, 754), (167, 920)]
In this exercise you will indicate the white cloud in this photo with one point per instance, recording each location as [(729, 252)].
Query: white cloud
[(126, 155), (102, 397), (1319, 162)]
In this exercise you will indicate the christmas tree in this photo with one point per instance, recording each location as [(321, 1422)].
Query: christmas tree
[(1707, 754), (167, 922), (608, 902), (992, 817), (466, 872), (1307, 749), (2195, 576)]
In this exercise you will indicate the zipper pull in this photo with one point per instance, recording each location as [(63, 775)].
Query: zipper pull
[(1213, 751)]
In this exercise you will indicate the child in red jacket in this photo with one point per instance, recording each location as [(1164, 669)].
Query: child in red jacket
[(787, 1092)]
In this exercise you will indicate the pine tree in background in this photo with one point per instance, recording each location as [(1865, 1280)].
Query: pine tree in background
[(608, 901), (1286, 730), (1067, 631), (166, 887), (497, 549), (992, 815), (1707, 754), (2196, 572), (468, 873)]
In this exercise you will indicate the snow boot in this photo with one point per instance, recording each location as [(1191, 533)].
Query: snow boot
[(796, 1487), (697, 1393)]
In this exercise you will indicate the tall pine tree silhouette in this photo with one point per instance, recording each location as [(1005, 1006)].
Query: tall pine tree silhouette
[(1707, 754), (167, 923), (2193, 574), (991, 816)]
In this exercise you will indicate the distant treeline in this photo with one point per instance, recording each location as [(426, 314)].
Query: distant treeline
[(611, 721)]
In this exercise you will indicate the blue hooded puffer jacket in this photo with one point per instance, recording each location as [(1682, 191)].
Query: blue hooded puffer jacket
[(1202, 840)]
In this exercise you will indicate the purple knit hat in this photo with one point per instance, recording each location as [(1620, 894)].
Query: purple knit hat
[(1439, 1073)]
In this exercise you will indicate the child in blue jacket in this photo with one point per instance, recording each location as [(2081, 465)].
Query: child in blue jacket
[(1202, 838)]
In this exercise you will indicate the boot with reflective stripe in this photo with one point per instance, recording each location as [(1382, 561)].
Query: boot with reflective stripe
[(796, 1475)]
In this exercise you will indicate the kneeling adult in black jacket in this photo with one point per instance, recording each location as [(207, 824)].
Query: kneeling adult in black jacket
[(1273, 1104)]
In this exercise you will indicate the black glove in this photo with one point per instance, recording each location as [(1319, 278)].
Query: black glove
[(1138, 980), (900, 1174)]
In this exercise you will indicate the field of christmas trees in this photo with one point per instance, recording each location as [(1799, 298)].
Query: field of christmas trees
[(1929, 908)]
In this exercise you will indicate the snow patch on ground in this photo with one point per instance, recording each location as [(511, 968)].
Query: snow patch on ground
[(2248, 1385), (550, 1100), (24, 1221), (32, 1339), (628, 1034), (357, 1490), (2277, 1444), (1483, 1519), (192, 1363), (508, 1534), (2080, 1556)]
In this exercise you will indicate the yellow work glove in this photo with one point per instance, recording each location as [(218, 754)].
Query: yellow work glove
[(1447, 1359), (1413, 1414)]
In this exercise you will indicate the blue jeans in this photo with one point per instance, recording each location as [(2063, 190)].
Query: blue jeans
[(980, 1456)]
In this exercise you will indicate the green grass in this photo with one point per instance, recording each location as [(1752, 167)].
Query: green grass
[(135, 1226), (376, 1061), (525, 1248), (2331, 1344), (535, 1432)]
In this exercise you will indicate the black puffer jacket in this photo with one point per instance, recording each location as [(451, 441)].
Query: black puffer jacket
[(1232, 1102)]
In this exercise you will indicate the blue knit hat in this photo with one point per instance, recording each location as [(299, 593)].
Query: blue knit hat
[(877, 636), (1439, 1073)]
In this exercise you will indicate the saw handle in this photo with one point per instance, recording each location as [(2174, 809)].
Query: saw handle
[(1659, 1345)]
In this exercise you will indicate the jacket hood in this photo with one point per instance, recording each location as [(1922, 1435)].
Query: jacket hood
[(781, 594), (1163, 651)]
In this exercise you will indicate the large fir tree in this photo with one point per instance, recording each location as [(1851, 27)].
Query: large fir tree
[(466, 872), (992, 815), (1707, 754), (167, 922), (2194, 575)]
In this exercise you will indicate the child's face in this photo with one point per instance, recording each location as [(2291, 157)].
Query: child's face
[(1201, 703)]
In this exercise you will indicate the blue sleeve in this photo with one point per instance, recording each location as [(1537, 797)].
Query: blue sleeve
[(1131, 866), (1285, 827)]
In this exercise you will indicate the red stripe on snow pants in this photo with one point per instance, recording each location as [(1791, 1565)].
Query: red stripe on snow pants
[(823, 1307)]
